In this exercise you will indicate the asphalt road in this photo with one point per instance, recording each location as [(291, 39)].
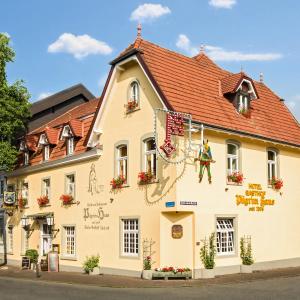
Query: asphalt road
[(279, 288)]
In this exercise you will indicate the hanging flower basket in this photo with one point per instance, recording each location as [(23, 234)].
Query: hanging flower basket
[(131, 105), (22, 202), (118, 182), (145, 178), (43, 200), (66, 199), (276, 183), (236, 177)]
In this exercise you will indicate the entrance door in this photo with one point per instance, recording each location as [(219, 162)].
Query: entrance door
[(46, 239), (2, 240)]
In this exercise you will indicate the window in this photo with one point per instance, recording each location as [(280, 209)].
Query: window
[(70, 145), (122, 159), (46, 152), (69, 241), (272, 165), (10, 239), (232, 158), (46, 188), (150, 156), (134, 92), (225, 236), (25, 190), (26, 158), (2, 186), (70, 185), (130, 236), (243, 103)]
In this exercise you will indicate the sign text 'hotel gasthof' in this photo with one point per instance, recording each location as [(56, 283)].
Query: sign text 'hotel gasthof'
[(255, 198)]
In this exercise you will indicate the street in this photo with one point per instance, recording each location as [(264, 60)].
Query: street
[(278, 288)]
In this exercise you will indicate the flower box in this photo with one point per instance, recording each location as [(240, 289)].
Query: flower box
[(145, 178), (118, 182), (276, 184), (131, 105), (235, 177), (170, 272), (66, 199), (246, 269), (22, 202), (43, 200)]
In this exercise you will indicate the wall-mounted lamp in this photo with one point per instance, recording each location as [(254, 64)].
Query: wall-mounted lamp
[(50, 222)]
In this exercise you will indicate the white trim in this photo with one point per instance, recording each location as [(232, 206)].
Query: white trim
[(108, 91), (250, 85)]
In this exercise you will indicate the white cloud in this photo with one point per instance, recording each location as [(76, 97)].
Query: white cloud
[(222, 3), (79, 46), (149, 12), (220, 54), (44, 95)]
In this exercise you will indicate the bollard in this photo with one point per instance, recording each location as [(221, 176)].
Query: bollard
[(37, 270)]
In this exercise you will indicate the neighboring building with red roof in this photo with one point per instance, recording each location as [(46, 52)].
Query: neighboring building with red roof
[(174, 149)]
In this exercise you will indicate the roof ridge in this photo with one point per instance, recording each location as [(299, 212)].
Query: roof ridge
[(60, 116)]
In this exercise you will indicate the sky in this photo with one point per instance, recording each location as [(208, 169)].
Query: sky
[(60, 43)]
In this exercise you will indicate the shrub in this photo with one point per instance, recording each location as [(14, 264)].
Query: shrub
[(147, 263), (208, 252), (91, 262), (33, 255), (246, 252)]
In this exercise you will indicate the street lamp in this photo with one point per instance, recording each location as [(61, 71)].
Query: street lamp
[(50, 220), (24, 222)]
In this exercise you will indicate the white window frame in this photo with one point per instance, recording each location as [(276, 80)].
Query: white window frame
[(67, 238), (134, 91), (46, 189), (26, 158), (46, 152), (231, 158), (70, 145), (271, 163), (130, 235), (70, 185), (243, 102), (123, 159), (225, 229), (152, 154), (25, 190)]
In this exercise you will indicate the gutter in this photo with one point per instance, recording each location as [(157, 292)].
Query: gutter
[(69, 160)]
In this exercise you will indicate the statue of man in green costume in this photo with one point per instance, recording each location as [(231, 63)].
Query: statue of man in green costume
[(205, 158)]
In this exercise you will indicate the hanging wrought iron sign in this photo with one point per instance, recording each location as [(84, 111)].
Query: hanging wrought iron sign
[(174, 126)]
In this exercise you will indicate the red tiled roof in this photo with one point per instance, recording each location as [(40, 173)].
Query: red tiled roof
[(193, 85), (79, 118)]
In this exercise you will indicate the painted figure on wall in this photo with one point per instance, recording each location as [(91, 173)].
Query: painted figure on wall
[(205, 159)]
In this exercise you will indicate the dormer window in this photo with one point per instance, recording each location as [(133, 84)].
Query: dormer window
[(68, 135), (46, 152), (70, 145), (243, 102), (26, 158)]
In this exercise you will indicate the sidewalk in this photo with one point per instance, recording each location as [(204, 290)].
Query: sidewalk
[(130, 282)]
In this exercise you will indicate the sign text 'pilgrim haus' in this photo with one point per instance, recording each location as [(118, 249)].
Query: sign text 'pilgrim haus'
[(254, 198)]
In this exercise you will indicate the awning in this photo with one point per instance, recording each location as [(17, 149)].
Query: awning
[(40, 215)]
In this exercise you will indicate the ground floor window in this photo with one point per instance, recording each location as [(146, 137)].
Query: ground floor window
[(10, 239), (225, 236), (130, 236), (69, 241)]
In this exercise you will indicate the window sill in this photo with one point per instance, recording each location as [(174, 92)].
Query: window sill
[(229, 255), (73, 258), (130, 256), (132, 110), (47, 205), (151, 182), (234, 183)]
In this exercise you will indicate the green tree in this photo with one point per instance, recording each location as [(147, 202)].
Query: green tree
[(14, 109)]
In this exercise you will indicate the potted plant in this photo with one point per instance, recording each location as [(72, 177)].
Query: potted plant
[(276, 183), (43, 200), (145, 178), (171, 272), (246, 255), (207, 255), (147, 272), (236, 177), (22, 202), (131, 105), (66, 199), (91, 265), (118, 182), (33, 255)]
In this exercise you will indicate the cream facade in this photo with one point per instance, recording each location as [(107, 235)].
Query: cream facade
[(124, 225)]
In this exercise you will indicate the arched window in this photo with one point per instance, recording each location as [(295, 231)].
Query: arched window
[(122, 159), (134, 92), (150, 156), (272, 165), (232, 158)]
